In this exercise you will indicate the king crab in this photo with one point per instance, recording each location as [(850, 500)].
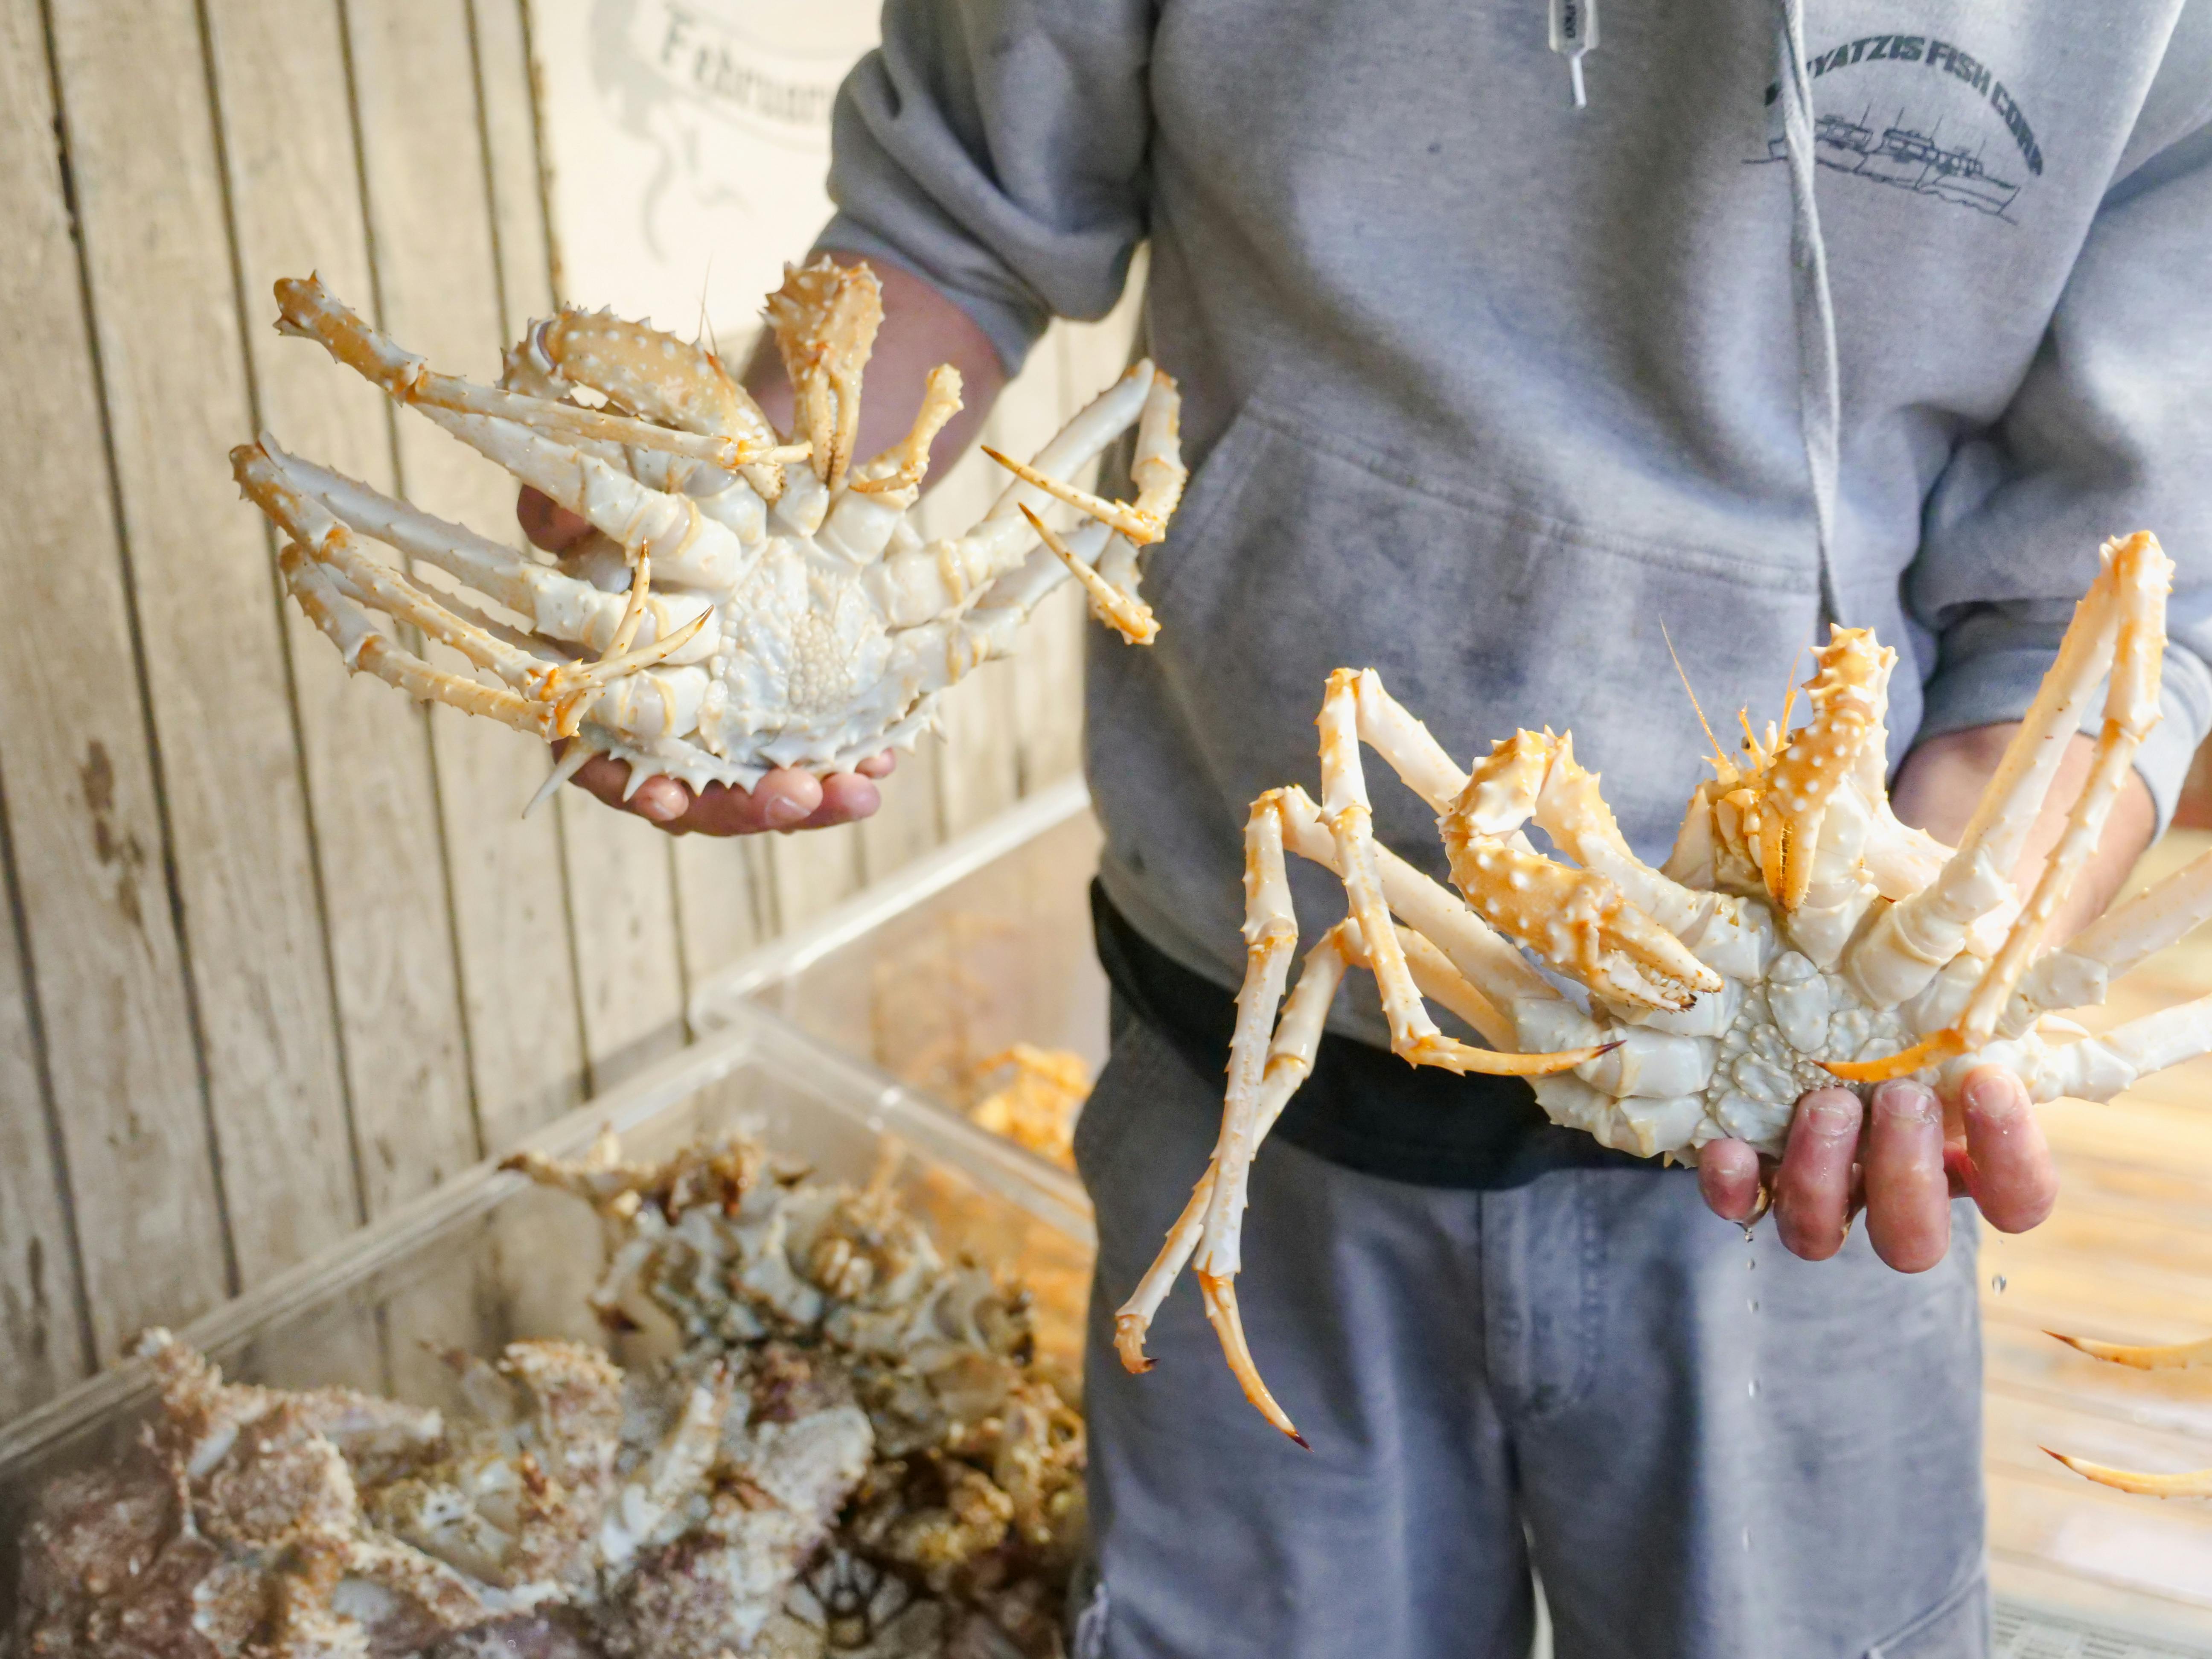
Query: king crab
[(750, 600), (1798, 936)]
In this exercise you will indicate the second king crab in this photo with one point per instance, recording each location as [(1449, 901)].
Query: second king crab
[(1798, 935)]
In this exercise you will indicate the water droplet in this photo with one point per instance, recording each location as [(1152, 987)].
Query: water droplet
[(1751, 1387), (1752, 1305), (1997, 1284), (1748, 1235), (1746, 1538)]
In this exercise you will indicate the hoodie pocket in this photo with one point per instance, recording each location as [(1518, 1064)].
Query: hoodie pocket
[(1484, 606)]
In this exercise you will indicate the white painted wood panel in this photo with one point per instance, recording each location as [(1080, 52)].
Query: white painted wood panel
[(83, 814)]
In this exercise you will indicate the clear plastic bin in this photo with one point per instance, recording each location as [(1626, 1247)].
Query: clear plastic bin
[(984, 944), (490, 1256)]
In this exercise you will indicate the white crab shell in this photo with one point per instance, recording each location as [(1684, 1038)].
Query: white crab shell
[(744, 602)]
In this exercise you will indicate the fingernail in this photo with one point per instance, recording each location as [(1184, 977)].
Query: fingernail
[(782, 811), (659, 806), (1993, 1097), (1914, 1102), (1832, 1116)]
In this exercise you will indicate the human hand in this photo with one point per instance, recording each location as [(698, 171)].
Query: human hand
[(784, 799), (547, 523), (1901, 1157)]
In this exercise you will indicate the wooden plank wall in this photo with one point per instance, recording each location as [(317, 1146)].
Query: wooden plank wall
[(277, 951)]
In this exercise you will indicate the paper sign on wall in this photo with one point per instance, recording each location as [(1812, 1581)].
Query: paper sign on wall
[(687, 143)]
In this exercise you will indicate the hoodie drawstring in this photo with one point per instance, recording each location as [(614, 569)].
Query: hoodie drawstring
[(1819, 399)]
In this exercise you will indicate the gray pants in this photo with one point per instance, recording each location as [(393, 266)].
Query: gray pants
[(1703, 1446)]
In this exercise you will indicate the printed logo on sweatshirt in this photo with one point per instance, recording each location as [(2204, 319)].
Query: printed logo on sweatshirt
[(1919, 83)]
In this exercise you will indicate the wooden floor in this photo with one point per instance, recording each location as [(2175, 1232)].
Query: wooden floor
[(2128, 1255)]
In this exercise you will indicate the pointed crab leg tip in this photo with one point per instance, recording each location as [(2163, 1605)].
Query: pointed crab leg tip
[(2187, 1483), (2141, 1356), (1219, 1295), (1931, 1051), (1304, 1443)]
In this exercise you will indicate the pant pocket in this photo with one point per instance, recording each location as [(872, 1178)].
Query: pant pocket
[(1958, 1627)]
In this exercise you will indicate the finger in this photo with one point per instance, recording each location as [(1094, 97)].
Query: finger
[(879, 766), (1813, 1190), (2011, 1174), (658, 801), (549, 524), (1728, 1179), (1908, 1207), (782, 800), (846, 796)]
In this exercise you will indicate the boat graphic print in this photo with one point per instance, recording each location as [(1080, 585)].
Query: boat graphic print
[(1908, 159)]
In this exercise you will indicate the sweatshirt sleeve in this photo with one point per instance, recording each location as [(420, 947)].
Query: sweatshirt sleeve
[(997, 148), (2111, 432)]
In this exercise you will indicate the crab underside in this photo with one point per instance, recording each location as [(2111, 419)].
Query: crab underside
[(747, 600), (1799, 935)]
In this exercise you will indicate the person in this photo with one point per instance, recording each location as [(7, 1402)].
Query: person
[(1877, 314)]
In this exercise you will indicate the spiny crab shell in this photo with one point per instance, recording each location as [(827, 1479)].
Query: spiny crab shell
[(843, 1446), (658, 1512), (747, 600), (1798, 936)]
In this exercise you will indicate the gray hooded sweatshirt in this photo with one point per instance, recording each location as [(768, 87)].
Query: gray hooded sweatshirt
[(1484, 391)]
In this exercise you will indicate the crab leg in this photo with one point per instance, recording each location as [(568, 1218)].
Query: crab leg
[(369, 582), (558, 606), (2192, 1482), (2077, 975), (693, 549), (346, 623), (905, 464), (669, 382), (2171, 1355), (1391, 731), (918, 587), (1290, 1058), (1569, 808), (2137, 576), (1430, 909), (1915, 937), (825, 318), (1819, 759), (567, 688), (1118, 563), (1129, 616), (1441, 982), (1158, 471), (306, 310), (1271, 934), (1350, 822), (2094, 1068), (1578, 921)]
